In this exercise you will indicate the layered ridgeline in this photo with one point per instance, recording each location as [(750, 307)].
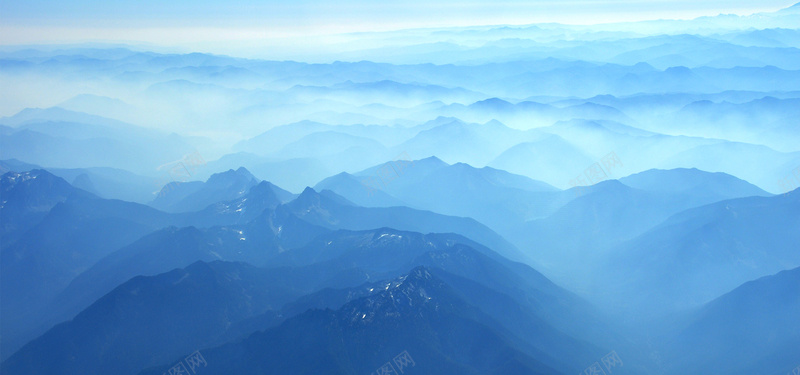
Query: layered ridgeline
[(519, 317), (280, 241), (544, 101), (534, 199), (106, 243)]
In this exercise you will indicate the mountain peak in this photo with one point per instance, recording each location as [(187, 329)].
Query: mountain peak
[(419, 273), (681, 71), (433, 161), (233, 176), (39, 180), (414, 294), (494, 123), (492, 103), (14, 178), (308, 192), (311, 198), (717, 184), (441, 120), (264, 189)]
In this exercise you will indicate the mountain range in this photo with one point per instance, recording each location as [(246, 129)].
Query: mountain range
[(610, 198)]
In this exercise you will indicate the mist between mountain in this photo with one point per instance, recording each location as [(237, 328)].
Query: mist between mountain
[(400, 363), (176, 172), (790, 182), (596, 173), (387, 173), (609, 361), (192, 363)]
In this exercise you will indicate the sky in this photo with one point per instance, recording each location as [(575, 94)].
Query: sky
[(196, 24)]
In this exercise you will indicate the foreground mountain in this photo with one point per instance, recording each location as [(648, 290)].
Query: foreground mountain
[(149, 320), (36, 269), (546, 305), (75, 234), (72, 236), (419, 315), (752, 329), (701, 253), (526, 309)]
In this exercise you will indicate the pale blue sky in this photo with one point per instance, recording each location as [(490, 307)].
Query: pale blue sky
[(44, 21)]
